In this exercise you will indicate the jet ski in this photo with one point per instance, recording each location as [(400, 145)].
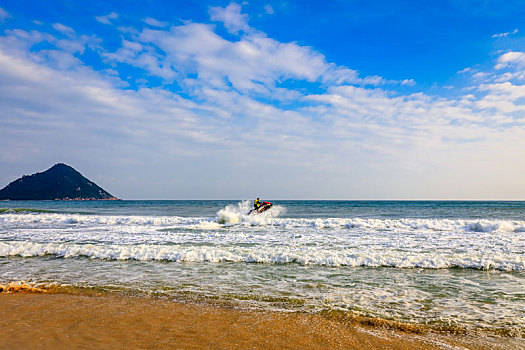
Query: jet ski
[(262, 208)]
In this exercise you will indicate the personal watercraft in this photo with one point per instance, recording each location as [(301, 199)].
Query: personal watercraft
[(262, 208)]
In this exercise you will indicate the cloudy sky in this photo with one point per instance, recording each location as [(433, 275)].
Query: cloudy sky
[(278, 99)]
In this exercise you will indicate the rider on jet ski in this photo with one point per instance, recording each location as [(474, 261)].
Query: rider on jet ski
[(259, 207), (256, 204)]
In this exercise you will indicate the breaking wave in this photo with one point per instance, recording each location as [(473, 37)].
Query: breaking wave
[(269, 255), (237, 215), (268, 238)]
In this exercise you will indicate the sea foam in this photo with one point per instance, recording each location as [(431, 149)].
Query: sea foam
[(238, 215), (269, 255), (269, 238)]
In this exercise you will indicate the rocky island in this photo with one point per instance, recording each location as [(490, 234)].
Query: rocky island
[(60, 182)]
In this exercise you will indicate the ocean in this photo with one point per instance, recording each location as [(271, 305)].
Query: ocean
[(447, 265)]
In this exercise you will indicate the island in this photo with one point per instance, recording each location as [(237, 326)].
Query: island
[(60, 182)]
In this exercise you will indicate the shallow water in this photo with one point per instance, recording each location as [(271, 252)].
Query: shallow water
[(446, 264)]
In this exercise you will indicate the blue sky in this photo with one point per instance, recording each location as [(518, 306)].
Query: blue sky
[(283, 99)]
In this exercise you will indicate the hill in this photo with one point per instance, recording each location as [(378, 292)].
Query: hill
[(60, 182)]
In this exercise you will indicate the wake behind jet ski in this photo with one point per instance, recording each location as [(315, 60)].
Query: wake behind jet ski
[(259, 207)]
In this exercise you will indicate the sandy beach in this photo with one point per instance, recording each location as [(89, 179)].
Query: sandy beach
[(114, 321)]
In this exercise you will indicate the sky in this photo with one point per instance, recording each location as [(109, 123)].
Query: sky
[(294, 99)]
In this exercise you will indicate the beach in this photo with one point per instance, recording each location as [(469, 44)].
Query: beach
[(104, 321)]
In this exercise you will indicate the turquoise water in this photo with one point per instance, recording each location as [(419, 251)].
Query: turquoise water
[(458, 264)]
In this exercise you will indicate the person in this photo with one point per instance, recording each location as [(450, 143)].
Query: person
[(257, 203)]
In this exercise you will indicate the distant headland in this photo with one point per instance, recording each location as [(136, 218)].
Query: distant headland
[(60, 182)]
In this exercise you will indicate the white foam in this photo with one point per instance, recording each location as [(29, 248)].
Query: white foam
[(235, 214), (268, 254), (270, 238), (239, 213), (77, 219)]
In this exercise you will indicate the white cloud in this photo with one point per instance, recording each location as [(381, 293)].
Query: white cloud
[(231, 17), (502, 35), (269, 9), (254, 63), (504, 98), (64, 29), (154, 23), (18, 39), (510, 58), (408, 82), (510, 66), (106, 19), (4, 15)]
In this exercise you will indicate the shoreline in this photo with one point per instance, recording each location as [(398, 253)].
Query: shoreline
[(112, 320)]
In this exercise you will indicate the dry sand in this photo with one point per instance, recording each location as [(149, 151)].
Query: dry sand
[(113, 321)]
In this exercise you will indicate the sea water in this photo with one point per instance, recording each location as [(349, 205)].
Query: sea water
[(441, 264)]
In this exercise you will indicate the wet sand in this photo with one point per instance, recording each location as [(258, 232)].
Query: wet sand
[(113, 321)]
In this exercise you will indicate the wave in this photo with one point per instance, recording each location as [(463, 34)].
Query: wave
[(109, 220), (437, 225), (268, 255), (236, 215)]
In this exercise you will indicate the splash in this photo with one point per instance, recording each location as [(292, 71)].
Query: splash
[(234, 213), (238, 213)]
